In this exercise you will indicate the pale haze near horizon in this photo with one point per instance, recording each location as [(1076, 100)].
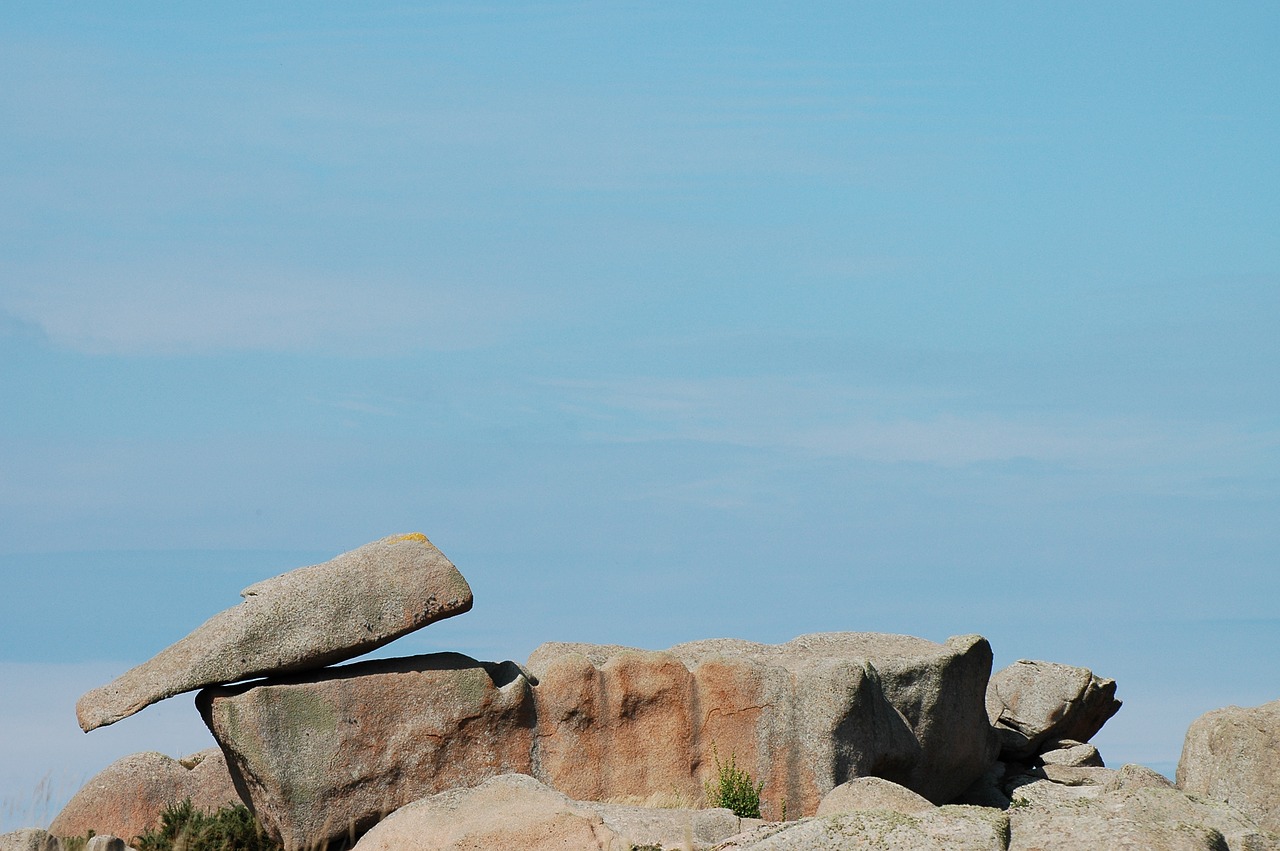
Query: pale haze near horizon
[(663, 322)]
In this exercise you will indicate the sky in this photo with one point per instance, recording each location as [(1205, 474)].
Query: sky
[(663, 321)]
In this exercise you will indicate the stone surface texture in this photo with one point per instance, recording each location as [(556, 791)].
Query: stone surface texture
[(949, 828), (506, 812), (29, 839), (1233, 755), (1031, 703), (803, 716), (324, 755), (126, 798), (872, 793), (300, 620)]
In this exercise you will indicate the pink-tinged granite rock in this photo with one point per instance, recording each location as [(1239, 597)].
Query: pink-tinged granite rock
[(301, 620), (1035, 703), (802, 717), (126, 798)]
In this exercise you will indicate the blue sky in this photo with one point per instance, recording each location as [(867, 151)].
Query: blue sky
[(663, 321)]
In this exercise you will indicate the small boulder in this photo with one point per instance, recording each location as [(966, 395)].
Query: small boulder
[(1233, 755), (511, 811), (1072, 753), (106, 842), (323, 756), (127, 797), (873, 793), (1031, 703), (304, 619), (642, 827)]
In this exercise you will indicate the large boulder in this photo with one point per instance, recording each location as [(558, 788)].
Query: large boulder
[(326, 755), (1233, 755), (506, 812), (802, 717), (301, 620), (126, 798), (949, 828), (1034, 703)]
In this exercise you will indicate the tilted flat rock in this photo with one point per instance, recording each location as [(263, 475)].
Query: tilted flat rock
[(511, 811), (126, 798), (802, 717), (1032, 703), (324, 755), (304, 619), (1233, 755)]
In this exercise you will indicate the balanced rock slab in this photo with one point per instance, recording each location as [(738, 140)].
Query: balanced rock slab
[(127, 797), (301, 620), (325, 755), (1233, 755), (802, 717), (1032, 703)]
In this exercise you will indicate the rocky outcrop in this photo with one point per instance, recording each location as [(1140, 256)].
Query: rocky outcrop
[(873, 793), (1233, 755), (949, 828), (326, 755), (1031, 703), (300, 620), (1133, 808), (802, 717), (509, 811), (127, 797)]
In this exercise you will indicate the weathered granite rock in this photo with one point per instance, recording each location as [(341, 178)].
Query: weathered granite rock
[(1031, 703), (126, 798), (873, 793), (1130, 812), (301, 620), (29, 839), (949, 828), (803, 716), (1233, 755), (507, 812), (325, 755)]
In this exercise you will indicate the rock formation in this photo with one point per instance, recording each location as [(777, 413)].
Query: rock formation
[(871, 740), (1233, 755), (301, 620)]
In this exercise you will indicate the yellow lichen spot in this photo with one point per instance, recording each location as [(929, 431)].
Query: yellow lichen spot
[(412, 536)]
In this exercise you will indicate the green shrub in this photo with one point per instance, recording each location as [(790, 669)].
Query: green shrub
[(732, 789), (185, 828)]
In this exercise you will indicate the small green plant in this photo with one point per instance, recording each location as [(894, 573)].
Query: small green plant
[(185, 828), (732, 788)]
